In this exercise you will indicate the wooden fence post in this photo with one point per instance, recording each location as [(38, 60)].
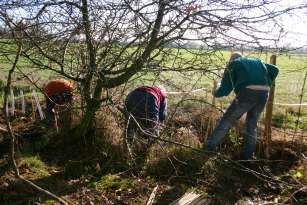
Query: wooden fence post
[(300, 112), (269, 113)]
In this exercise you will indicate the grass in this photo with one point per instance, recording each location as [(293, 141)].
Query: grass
[(112, 182), (288, 87), (289, 120), (36, 165), (33, 162), (288, 83)]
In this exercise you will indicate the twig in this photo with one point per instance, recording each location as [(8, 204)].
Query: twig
[(289, 133), (152, 195), (43, 191), (243, 168), (169, 159), (293, 194), (3, 129)]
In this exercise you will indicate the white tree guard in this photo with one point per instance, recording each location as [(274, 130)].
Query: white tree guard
[(7, 108), (39, 108), (23, 102), (13, 102)]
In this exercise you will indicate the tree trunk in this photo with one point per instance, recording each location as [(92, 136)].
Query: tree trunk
[(86, 126)]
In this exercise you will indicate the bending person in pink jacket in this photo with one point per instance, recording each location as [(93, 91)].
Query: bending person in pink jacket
[(147, 107)]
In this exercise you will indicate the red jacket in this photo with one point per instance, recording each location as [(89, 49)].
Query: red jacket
[(155, 91), (160, 97)]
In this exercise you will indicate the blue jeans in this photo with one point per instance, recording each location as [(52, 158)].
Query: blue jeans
[(247, 101)]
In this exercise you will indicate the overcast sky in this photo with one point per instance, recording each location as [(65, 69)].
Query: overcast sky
[(296, 29), (294, 25)]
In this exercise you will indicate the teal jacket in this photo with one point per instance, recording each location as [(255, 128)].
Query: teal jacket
[(243, 72)]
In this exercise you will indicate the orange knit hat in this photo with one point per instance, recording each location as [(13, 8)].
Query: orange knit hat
[(58, 86)]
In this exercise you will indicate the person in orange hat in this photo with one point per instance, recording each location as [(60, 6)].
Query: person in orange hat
[(57, 92)]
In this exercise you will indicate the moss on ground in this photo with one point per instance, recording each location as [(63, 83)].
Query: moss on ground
[(36, 165), (112, 182)]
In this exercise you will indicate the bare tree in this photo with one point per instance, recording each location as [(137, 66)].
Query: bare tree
[(103, 44)]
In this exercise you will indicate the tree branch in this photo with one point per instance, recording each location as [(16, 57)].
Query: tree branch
[(138, 64)]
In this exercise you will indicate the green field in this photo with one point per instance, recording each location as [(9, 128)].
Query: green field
[(288, 89), (206, 64), (289, 82)]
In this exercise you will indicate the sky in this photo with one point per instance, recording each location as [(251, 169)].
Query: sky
[(296, 29), (295, 25)]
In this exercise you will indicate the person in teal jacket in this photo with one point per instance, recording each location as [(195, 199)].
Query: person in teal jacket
[(251, 80)]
